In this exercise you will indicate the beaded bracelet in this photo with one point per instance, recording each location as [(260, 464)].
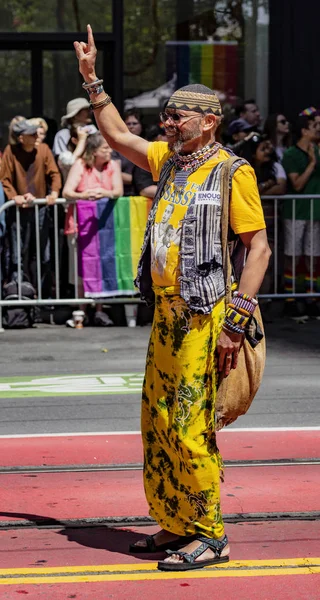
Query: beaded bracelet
[(244, 301), (240, 310), (237, 294), (232, 328), (236, 318)]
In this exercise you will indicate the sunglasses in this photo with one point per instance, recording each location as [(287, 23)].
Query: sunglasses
[(283, 121), (176, 117)]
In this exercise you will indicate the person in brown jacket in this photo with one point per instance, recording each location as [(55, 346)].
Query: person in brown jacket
[(29, 171)]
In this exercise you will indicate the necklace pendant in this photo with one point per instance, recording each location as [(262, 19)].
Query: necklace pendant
[(180, 180)]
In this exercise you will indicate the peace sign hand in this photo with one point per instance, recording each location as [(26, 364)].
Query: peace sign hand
[(86, 55)]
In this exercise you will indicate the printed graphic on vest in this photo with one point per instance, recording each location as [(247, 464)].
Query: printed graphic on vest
[(208, 197), (179, 197), (164, 233)]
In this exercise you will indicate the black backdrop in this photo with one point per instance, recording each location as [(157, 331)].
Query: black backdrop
[(294, 55)]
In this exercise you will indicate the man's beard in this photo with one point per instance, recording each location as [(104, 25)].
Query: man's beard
[(176, 146), (184, 136)]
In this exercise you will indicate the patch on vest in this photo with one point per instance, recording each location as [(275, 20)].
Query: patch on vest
[(212, 198)]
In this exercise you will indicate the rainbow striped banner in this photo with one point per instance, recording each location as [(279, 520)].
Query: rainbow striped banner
[(110, 236), (214, 64)]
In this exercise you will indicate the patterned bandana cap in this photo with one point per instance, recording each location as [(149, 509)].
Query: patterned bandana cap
[(197, 97)]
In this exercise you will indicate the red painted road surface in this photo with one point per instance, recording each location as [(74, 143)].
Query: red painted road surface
[(101, 494), (98, 546), (115, 449), (101, 546), (119, 494), (299, 587)]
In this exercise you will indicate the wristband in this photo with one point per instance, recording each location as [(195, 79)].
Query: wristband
[(237, 318), (240, 310), (244, 301), (95, 87), (107, 100), (232, 328)]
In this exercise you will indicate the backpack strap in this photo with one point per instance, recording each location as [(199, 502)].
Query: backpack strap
[(228, 169)]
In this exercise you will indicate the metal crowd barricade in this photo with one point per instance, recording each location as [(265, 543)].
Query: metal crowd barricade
[(57, 301), (39, 301), (277, 201)]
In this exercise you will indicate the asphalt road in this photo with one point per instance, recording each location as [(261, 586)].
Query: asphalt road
[(289, 395)]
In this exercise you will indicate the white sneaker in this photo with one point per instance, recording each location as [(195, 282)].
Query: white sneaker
[(70, 323)]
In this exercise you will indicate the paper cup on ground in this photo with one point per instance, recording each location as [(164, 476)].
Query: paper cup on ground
[(78, 316), (131, 314)]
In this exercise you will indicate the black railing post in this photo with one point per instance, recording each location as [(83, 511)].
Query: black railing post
[(36, 82), (117, 30)]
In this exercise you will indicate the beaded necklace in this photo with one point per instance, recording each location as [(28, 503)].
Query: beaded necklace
[(185, 165)]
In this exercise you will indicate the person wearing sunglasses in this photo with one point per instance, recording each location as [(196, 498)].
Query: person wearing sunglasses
[(191, 339), (277, 129)]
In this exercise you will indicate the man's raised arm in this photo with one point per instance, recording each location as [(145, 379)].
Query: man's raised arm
[(112, 127)]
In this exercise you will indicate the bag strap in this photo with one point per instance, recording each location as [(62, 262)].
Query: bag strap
[(225, 201)]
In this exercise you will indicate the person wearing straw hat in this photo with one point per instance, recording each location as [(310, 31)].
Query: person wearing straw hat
[(78, 111), (192, 337)]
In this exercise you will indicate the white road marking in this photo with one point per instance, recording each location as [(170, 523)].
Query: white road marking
[(109, 433), (73, 384), (77, 434), (237, 429)]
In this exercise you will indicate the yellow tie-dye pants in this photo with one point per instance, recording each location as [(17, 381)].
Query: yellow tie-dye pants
[(182, 464)]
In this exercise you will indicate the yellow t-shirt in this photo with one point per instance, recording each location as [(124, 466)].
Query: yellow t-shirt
[(246, 212)]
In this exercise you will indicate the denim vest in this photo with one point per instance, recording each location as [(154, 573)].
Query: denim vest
[(202, 281)]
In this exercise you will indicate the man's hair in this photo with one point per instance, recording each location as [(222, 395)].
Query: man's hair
[(302, 122), (241, 108)]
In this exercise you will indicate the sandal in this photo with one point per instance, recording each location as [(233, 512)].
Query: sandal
[(189, 560), (151, 546)]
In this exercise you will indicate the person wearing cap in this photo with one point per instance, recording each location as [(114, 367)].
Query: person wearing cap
[(239, 129), (78, 111), (42, 128), (191, 338), (29, 171)]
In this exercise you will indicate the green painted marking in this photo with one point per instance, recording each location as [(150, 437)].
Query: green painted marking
[(71, 385)]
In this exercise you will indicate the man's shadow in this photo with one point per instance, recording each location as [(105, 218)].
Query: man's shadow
[(101, 537)]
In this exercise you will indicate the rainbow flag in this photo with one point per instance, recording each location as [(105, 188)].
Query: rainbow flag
[(110, 236), (214, 64)]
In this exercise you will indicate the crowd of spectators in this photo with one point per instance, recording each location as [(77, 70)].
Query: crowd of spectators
[(80, 165), (285, 157)]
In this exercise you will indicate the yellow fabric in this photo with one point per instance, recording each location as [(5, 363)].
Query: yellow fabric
[(246, 212), (182, 464)]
